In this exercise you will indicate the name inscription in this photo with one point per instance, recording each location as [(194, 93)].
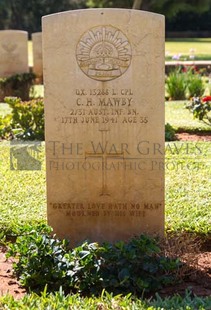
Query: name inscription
[(105, 97), (103, 106)]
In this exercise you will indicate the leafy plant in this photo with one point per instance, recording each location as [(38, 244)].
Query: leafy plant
[(106, 301), (136, 266), (41, 260), (169, 133), (5, 127), (176, 85), (182, 83), (195, 85), (200, 107), (27, 118), (17, 85), (132, 267)]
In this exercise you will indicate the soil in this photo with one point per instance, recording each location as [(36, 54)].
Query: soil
[(184, 136), (8, 283), (196, 274)]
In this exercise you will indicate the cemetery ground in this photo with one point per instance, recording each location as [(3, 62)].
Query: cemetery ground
[(200, 48), (188, 168), (187, 175)]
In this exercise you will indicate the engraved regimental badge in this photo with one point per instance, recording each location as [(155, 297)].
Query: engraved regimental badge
[(103, 53)]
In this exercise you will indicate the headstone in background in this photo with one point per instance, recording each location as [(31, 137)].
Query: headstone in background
[(104, 116), (13, 52), (37, 54)]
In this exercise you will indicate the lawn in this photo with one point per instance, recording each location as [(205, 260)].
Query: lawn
[(175, 114), (182, 119), (23, 207), (187, 188), (107, 301), (23, 196), (187, 171), (201, 47)]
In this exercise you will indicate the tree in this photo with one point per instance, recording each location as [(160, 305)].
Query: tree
[(167, 7), (26, 15), (109, 3), (171, 8), (137, 4)]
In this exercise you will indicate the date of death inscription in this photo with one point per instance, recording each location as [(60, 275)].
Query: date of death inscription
[(103, 116), (106, 209)]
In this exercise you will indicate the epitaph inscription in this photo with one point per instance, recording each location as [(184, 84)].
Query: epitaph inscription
[(103, 53)]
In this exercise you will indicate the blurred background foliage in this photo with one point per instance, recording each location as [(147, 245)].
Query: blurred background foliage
[(181, 15)]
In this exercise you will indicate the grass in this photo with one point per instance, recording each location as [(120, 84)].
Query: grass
[(23, 205), (182, 119), (201, 46), (37, 91), (188, 166), (23, 196), (185, 57), (175, 113), (188, 196), (107, 301)]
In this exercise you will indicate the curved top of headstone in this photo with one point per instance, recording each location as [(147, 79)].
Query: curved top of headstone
[(13, 52), (14, 31), (103, 10), (36, 33)]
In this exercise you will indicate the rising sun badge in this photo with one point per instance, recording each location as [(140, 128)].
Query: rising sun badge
[(103, 53)]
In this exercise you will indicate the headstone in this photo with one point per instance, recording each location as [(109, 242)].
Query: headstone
[(13, 52), (104, 114), (37, 54)]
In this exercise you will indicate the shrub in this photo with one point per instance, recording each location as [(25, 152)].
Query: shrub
[(176, 84), (16, 85), (181, 84), (201, 107), (27, 118), (196, 86), (135, 267), (169, 133), (5, 127)]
